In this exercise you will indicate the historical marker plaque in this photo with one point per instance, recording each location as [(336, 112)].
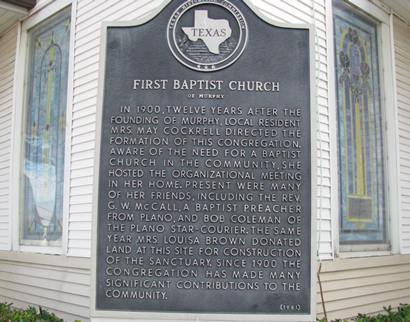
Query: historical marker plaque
[(204, 176)]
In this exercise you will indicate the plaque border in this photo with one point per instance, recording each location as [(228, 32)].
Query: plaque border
[(127, 316)]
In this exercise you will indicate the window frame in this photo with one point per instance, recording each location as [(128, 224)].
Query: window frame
[(389, 133), (20, 105)]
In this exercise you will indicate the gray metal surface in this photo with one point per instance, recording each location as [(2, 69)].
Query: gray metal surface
[(195, 280)]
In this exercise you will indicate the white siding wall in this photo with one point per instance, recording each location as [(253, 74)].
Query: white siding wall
[(63, 288), (363, 285), (7, 58), (402, 57), (90, 14)]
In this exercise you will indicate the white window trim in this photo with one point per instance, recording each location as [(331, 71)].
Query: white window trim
[(20, 85), (390, 133)]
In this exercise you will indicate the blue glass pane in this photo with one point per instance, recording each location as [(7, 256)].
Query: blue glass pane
[(43, 166), (361, 168)]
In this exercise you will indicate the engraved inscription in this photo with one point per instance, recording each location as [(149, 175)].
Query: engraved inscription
[(212, 200)]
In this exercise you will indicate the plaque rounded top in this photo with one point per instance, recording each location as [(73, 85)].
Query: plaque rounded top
[(207, 35)]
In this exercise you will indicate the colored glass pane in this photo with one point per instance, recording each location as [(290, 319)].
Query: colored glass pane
[(44, 136), (361, 162)]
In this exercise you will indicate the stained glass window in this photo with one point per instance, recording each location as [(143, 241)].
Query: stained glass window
[(44, 135), (361, 162)]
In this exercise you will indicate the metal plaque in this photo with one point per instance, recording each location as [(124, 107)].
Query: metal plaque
[(204, 173)]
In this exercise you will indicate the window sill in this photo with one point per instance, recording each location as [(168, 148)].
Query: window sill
[(358, 254), (43, 250), (367, 249), (43, 259)]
